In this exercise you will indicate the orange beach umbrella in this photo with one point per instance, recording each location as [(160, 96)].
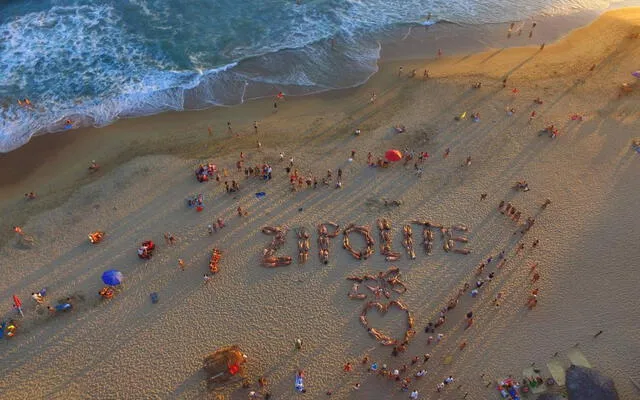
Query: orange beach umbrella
[(393, 155)]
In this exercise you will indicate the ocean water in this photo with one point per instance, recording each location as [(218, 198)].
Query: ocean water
[(95, 62)]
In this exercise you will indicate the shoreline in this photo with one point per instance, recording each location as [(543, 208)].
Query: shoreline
[(23, 162), (400, 45), (588, 172)]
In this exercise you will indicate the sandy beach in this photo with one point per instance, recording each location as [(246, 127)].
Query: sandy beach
[(130, 348)]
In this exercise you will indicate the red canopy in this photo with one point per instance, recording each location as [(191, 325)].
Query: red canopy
[(393, 155)]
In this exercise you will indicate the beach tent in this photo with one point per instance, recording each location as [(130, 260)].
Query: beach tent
[(636, 73), (588, 384), (393, 155), (225, 365), (112, 277)]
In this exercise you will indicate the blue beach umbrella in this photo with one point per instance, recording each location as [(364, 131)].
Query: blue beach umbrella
[(112, 277)]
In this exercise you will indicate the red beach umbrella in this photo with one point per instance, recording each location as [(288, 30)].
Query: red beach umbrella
[(393, 155)]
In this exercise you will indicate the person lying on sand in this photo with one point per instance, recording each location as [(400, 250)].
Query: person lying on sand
[(64, 307), (106, 292), (93, 166), (37, 297), (96, 237)]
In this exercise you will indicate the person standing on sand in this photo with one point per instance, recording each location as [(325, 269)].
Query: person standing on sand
[(400, 71), (275, 107), (181, 263), (532, 301), (255, 127), (425, 75), (210, 131), (542, 47), (439, 53), (229, 128), (446, 153)]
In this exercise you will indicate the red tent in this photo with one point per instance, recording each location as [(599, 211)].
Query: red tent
[(393, 155)]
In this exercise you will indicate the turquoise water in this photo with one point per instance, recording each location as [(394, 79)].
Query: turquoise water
[(94, 62)]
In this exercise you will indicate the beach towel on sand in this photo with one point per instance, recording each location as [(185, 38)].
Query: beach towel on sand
[(577, 358), (299, 383), (557, 372)]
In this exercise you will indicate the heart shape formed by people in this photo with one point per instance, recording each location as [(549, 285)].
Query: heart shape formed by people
[(382, 308)]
